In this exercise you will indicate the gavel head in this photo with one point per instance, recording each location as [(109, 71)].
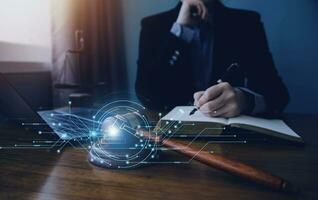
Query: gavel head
[(111, 129), (122, 143), (121, 129)]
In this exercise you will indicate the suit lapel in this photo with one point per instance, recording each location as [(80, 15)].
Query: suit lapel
[(219, 49), (226, 51)]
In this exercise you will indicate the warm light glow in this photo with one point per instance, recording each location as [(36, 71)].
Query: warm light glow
[(25, 23)]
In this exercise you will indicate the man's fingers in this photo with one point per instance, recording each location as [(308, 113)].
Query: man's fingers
[(210, 94), (220, 101), (199, 8), (219, 113), (197, 96), (227, 111), (213, 105), (214, 92), (204, 10)]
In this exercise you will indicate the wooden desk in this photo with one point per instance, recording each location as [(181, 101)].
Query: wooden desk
[(38, 174)]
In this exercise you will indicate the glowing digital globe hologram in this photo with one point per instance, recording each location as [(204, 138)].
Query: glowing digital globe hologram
[(120, 143)]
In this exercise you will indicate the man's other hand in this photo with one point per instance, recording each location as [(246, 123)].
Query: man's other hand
[(221, 100), (187, 16)]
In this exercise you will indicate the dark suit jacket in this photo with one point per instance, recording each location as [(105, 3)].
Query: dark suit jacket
[(239, 37)]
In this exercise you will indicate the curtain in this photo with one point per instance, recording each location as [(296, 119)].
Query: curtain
[(87, 44)]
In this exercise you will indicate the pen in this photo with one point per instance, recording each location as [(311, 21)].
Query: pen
[(231, 69), (194, 111)]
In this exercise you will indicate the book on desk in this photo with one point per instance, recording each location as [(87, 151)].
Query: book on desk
[(178, 122)]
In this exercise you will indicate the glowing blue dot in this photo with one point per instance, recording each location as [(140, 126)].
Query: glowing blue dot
[(40, 132), (69, 102), (160, 114), (149, 145), (53, 124), (152, 156), (167, 122), (136, 145), (94, 117), (58, 151), (127, 156), (175, 126), (152, 149), (60, 124), (127, 162), (52, 115), (141, 141), (64, 136), (169, 131), (141, 145), (93, 133)]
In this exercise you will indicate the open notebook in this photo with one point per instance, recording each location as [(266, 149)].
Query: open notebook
[(276, 128)]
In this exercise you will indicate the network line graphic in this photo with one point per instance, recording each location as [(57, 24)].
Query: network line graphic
[(113, 134)]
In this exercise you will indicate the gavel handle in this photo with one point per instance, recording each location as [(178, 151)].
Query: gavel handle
[(231, 166)]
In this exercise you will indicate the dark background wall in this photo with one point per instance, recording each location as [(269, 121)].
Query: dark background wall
[(292, 30), (291, 27)]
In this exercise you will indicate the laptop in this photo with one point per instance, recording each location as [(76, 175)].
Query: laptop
[(66, 123)]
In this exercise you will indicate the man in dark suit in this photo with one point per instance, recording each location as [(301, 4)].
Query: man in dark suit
[(185, 51)]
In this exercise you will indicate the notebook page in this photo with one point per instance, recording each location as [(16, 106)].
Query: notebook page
[(269, 124), (181, 113)]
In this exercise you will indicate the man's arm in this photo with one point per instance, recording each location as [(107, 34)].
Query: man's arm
[(264, 83), (162, 56), (263, 77)]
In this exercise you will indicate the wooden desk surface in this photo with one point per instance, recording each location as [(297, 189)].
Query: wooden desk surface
[(39, 174)]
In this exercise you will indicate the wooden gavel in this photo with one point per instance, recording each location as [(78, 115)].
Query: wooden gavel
[(227, 165)]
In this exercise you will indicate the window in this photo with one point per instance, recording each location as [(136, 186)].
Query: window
[(25, 31)]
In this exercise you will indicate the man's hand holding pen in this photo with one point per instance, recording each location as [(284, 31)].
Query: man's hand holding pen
[(221, 100)]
